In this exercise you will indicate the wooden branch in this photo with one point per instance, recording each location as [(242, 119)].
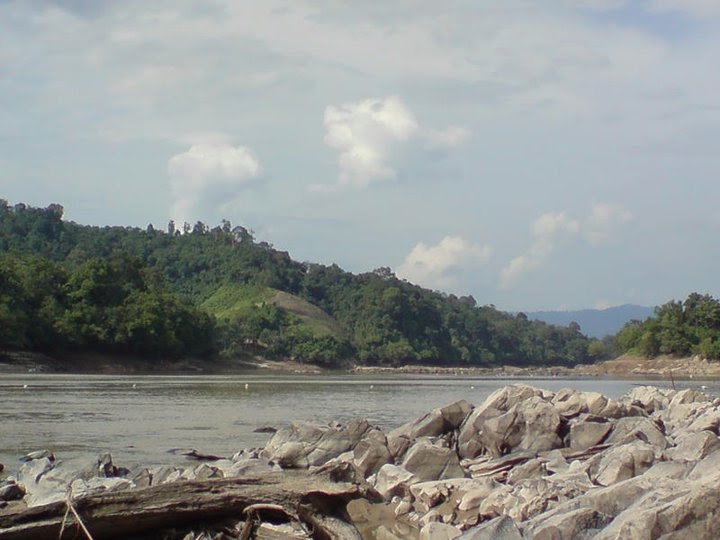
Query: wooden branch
[(124, 513)]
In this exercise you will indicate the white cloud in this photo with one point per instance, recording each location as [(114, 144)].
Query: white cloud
[(367, 133), (545, 231), (551, 227), (603, 220), (433, 266), (208, 177)]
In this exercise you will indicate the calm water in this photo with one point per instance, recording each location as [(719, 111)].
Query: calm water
[(139, 418)]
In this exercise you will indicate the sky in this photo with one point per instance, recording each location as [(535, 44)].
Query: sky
[(536, 154)]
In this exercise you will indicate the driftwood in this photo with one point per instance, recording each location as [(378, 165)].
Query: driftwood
[(141, 511)]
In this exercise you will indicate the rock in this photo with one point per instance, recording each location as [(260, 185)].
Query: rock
[(435, 423), (371, 453), (92, 486), (428, 461), (587, 431), (33, 470), (638, 428), (621, 462), (304, 444), (571, 403), (499, 528), (245, 466), (427, 495), (10, 491), (651, 398), (393, 480), (265, 429), (689, 395), (398, 445), (694, 446), (47, 481), (38, 454), (439, 531), (532, 424), (573, 525)]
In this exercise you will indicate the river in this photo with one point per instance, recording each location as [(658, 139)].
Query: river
[(139, 418)]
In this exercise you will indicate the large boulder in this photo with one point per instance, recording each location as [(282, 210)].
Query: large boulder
[(393, 480), (371, 453), (47, 480), (530, 424), (427, 460), (621, 463), (694, 446), (305, 444), (572, 403), (587, 431), (435, 423), (644, 429)]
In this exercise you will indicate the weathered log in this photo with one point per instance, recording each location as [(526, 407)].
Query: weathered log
[(140, 511)]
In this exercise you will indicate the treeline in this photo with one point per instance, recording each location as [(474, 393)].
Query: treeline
[(110, 304), (152, 275), (678, 328)]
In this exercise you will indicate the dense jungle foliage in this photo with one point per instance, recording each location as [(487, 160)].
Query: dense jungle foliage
[(678, 329), (206, 291)]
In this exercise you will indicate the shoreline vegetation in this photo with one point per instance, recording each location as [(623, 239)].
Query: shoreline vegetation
[(525, 463)]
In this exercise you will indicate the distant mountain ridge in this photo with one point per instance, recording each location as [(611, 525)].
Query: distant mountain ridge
[(596, 322)]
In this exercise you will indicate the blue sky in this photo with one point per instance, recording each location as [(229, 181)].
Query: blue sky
[(534, 154)]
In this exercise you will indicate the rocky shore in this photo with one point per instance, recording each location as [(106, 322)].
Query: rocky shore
[(526, 463)]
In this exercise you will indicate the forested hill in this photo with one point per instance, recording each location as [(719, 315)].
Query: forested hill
[(218, 291)]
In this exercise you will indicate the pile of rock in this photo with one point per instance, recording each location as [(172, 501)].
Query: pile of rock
[(526, 463), (530, 463)]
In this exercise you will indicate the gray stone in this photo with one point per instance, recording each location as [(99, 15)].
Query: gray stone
[(587, 431), (439, 531), (304, 444), (428, 461), (393, 480), (694, 446), (637, 428), (499, 528), (371, 453), (532, 424), (437, 422), (621, 463), (573, 525), (10, 491)]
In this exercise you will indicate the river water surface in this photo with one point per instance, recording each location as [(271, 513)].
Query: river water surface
[(139, 418)]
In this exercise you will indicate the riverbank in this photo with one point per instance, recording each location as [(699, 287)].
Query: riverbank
[(123, 364), (626, 366)]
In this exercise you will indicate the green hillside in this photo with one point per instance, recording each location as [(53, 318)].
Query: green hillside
[(219, 291)]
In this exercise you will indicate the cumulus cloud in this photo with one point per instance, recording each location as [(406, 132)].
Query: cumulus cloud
[(209, 176), (551, 227), (434, 266), (367, 133), (546, 230)]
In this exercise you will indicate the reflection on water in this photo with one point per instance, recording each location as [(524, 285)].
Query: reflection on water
[(139, 418)]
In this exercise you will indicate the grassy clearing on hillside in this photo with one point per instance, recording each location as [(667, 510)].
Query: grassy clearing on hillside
[(238, 301), (319, 322)]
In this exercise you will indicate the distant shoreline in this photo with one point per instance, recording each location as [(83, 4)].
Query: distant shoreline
[(627, 366)]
